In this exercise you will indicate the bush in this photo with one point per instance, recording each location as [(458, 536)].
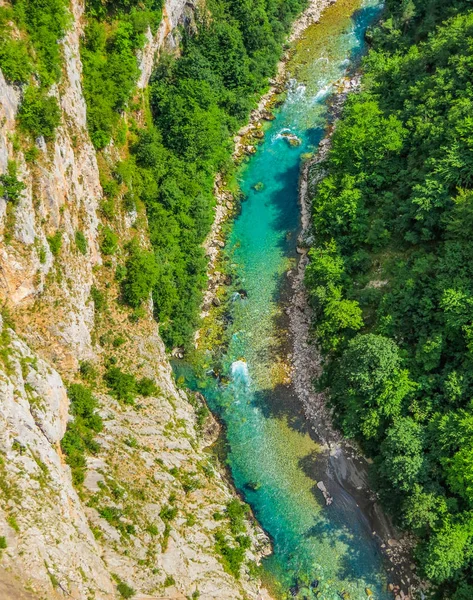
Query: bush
[(125, 590), (55, 243), (236, 512), (114, 33), (3, 542), (10, 186), (147, 387), (81, 242), (108, 241), (79, 437), (123, 386), (46, 22), (141, 274), (41, 24), (118, 341), (98, 299), (231, 556), (39, 114), (152, 529)]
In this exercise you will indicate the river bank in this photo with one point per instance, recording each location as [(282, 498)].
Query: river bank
[(246, 140), (345, 469)]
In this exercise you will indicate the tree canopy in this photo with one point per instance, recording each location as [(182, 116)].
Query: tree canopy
[(394, 254)]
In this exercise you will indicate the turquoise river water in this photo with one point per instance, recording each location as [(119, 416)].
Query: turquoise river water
[(325, 552)]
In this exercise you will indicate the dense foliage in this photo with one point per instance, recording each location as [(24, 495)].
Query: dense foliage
[(41, 24), (29, 45), (198, 102), (115, 31), (391, 277), (10, 186), (39, 113)]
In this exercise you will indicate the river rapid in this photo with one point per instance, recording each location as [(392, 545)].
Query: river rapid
[(320, 550)]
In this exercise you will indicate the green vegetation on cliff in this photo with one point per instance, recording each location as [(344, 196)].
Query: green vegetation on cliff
[(197, 102), (391, 277), (30, 53)]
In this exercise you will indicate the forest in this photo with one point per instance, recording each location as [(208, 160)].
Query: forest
[(390, 277)]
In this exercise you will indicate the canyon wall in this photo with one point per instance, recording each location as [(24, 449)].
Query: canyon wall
[(145, 514)]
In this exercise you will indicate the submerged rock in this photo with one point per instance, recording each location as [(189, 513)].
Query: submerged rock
[(253, 485)]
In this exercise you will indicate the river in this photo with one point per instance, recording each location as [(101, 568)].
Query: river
[(319, 551)]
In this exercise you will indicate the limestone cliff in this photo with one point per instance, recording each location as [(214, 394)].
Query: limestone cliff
[(146, 512)]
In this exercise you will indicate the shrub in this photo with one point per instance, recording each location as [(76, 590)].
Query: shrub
[(125, 590), (87, 371), (168, 513), (120, 273), (147, 387), (79, 437), (39, 114), (55, 243), (32, 154), (81, 242), (108, 241), (10, 186), (3, 542), (169, 581), (236, 512), (141, 275), (123, 386), (98, 298), (152, 529), (231, 557), (118, 341)]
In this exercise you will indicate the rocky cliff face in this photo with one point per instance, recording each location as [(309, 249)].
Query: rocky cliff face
[(145, 513)]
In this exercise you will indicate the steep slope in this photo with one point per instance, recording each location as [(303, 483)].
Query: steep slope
[(146, 516)]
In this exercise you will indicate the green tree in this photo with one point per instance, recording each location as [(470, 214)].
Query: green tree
[(370, 385), (141, 275), (39, 114), (448, 550), (401, 455)]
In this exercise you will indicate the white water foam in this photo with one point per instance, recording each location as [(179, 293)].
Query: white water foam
[(240, 372), (323, 93), (279, 135)]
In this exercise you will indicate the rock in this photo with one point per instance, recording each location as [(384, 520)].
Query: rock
[(216, 301), (253, 485), (328, 498), (291, 139)]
